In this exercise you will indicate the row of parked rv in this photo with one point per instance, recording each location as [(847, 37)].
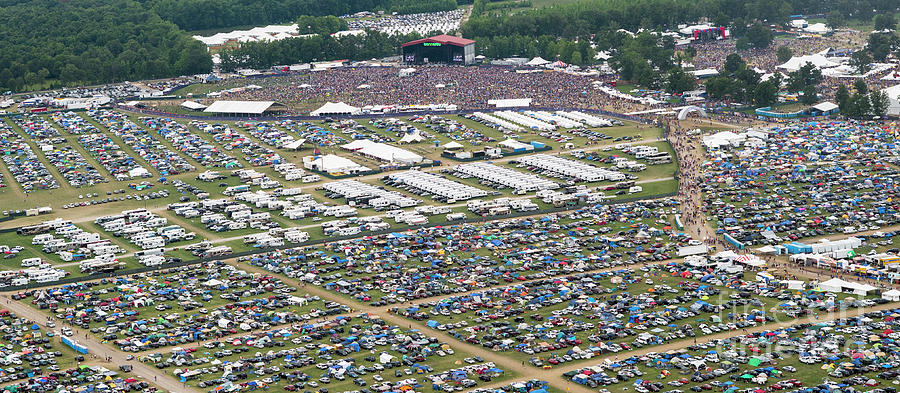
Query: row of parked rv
[(366, 195), (649, 153), (500, 206), (144, 228), (276, 237), (220, 215), (75, 244), (251, 177), (291, 172), (568, 169), (499, 177), (436, 186)]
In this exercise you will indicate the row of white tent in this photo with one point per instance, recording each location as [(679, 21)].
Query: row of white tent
[(514, 179), (526, 121), (838, 285), (585, 118), (553, 118), (500, 123), (570, 168), (352, 189), (438, 185)]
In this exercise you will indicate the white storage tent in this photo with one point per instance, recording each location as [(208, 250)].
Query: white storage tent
[(383, 152), (336, 109), (891, 295), (332, 164)]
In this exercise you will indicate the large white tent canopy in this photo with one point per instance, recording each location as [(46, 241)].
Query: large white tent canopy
[(796, 62), (254, 107), (383, 152), (336, 108), (537, 61), (332, 164), (193, 105)]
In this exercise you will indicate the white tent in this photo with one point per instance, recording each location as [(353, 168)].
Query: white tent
[(817, 28), (138, 172), (383, 152), (412, 138), (537, 61), (893, 94), (825, 106), (193, 105), (892, 295), (839, 285), (293, 145), (332, 164), (336, 108), (832, 285), (255, 107), (796, 62), (453, 145)]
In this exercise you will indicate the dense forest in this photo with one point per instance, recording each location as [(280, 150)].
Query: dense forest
[(47, 43), (211, 14), (260, 55), (586, 17)]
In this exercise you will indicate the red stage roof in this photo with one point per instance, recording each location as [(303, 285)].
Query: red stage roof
[(443, 39)]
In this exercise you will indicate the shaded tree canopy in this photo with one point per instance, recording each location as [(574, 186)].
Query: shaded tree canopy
[(91, 41)]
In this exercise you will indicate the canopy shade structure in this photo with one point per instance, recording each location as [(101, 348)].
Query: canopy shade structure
[(243, 107), (336, 108), (193, 105)]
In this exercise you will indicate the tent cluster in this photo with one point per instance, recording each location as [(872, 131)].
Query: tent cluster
[(101, 147), (601, 307), (801, 179), (341, 348), (142, 142), (233, 140), (140, 313), (22, 162), (859, 352), (70, 163), (191, 144), (428, 259)]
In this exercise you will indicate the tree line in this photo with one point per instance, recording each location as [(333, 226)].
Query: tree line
[(584, 18), (259, 55), (216, 14), (48, 43)]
